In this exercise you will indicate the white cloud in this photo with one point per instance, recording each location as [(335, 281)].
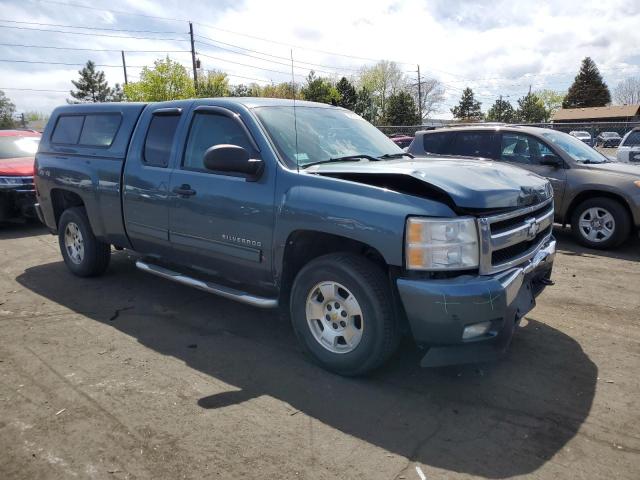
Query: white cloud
[(497, 47)]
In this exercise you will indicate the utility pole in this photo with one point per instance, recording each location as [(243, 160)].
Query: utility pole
[(419, 96), (124, 67), (193, 58)]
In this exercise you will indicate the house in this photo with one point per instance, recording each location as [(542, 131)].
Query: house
[(612, 113)]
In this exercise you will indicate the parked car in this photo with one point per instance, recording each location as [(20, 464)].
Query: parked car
[(403, 141), (330, 220), (629, 149), (17, 151), (608, 139), (600, 199), (582, 136)]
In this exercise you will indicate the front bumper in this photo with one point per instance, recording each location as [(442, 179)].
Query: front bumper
[(17, 202), (439, 310)]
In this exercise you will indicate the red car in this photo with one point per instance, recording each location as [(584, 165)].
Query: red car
[(17, 151), (403, 141)]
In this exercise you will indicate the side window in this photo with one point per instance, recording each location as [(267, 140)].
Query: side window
[(157, 145), (633, 139), (67, 129), (520, 148), (100, 130), (207, 130), (476, 144), (436, 142)]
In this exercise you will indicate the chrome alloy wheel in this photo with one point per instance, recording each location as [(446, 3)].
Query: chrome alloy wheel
[(334, 317), (74, 243), (597, 224)]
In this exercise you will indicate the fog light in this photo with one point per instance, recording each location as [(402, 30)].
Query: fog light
[(475, 330)]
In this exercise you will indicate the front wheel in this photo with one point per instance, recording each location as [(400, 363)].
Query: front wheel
[(600, 223), (342, 314), (83, 253)]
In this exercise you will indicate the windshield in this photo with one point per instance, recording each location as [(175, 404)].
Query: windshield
[(581, 134), (323, 134), (610, 134), (16, 147), (576, 149)]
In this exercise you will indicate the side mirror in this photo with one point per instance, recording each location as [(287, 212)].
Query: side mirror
[(551, 160), (233, 159)]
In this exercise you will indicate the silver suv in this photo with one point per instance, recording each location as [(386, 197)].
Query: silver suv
[(599, 198), (629, 149)]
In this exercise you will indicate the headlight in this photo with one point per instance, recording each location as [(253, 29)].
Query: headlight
[(441, 244), (10, 181)]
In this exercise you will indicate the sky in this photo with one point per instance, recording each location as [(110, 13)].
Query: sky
[(495, 47)]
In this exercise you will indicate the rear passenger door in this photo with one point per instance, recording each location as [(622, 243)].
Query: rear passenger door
[(146, 181), (526, 151)]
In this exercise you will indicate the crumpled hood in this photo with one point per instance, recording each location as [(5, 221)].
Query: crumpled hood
[(18, 167), (470, 183)]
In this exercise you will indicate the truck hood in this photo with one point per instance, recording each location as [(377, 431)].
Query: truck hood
[(467, 183), (17, 167), (616, 167)]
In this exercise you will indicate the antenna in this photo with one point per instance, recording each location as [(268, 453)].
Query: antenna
[(295, 117)]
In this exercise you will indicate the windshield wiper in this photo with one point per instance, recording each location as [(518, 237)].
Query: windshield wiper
[(346, 158), (396, 155)]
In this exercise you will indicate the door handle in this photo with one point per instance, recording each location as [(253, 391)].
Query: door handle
[(184, 190)]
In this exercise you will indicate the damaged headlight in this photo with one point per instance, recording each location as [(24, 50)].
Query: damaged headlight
[(441, 244)]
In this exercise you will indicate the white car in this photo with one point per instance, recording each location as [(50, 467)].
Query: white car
[(581, 135), (629, 149)]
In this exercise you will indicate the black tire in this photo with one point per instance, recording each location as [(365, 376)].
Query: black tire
[(621, 218), (96, 254), (370, 286)]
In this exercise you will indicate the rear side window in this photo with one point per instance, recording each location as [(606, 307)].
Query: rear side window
[(208, 130), (94, 130), (476, 144), (633, 139), (436, 142), (68, 129), (100, 130), (157, 146)]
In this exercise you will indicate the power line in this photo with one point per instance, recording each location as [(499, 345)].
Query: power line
[(246, 65), (19, 45), (95, 34), (33, 89), (90, 28), (64, 63)]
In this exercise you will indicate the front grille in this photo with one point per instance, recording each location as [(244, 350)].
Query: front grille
[(512, 238), (18, 184)]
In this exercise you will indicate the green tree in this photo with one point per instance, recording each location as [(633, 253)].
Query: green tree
[(348, 95), (91, 87), (588, 88), (318, 89), (117, 94), (214, 84), (530, 109), (7, 110), (401, 110), (365, 106), (167, 80), (382, 80), (242, 90), (501, 111), (279, 90), (468, 108), (551, 100)]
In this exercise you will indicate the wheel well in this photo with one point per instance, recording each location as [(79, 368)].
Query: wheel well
[(62, 200), (304, 245), (586, 195)]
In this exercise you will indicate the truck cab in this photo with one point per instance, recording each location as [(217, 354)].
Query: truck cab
[(308, 208)]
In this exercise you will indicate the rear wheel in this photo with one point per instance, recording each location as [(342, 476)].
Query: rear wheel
[(341, 310), (83, 253), (600, 223)]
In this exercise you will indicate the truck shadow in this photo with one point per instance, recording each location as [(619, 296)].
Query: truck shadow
[(21, 229), (494, 420)]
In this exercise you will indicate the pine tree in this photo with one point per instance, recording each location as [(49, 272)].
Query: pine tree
[(348, 95), (401, 109), (531, 109), (7, 109), (91, 87), (588, 88), (501, 111), (468, 108), (365, 104)]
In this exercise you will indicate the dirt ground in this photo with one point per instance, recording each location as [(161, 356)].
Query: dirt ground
[(132, 376)]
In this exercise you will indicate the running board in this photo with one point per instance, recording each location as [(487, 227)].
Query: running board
[(216, 289)]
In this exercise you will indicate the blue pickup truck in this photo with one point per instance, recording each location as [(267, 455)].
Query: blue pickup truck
[(305, 207)]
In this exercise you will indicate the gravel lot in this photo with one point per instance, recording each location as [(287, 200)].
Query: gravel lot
[(131, 376)]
